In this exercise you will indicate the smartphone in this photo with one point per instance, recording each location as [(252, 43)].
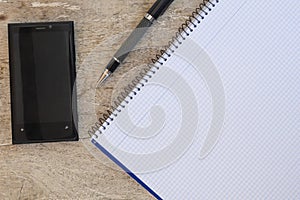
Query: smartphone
[(42, 77)]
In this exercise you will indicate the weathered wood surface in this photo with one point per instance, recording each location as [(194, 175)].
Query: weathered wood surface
[(70, 170)]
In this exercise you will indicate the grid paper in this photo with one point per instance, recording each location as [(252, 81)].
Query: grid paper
[(254, 46)]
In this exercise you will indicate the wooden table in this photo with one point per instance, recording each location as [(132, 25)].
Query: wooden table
[(72, 170)]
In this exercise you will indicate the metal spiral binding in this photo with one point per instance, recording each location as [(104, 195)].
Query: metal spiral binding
[(133, 88), (186, 29)]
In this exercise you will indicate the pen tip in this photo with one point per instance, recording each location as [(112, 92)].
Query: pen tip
[(100, 82), (103, 78)]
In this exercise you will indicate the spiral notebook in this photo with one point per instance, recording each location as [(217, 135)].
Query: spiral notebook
[(218, 115)]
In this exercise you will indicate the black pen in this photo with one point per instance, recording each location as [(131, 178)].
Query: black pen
[(159, 7)]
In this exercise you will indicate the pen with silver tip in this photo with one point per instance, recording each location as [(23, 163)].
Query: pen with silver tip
[(159, 7)]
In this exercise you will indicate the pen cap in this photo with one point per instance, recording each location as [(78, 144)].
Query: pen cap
[(159, 7)]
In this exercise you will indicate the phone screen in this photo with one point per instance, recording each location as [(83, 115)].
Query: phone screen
[(43, 72)]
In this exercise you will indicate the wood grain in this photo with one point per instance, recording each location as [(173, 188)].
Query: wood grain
[(77, 170)]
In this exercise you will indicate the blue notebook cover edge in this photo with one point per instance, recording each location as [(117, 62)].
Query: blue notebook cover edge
[(131, 174)]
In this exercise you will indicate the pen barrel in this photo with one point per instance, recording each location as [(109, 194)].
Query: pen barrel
[(112, 65), (133, 39), (159, 8)]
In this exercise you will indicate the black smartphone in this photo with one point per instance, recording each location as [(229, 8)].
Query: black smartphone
[(42, 76)]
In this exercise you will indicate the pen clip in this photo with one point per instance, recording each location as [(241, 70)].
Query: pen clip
[(165, 8)]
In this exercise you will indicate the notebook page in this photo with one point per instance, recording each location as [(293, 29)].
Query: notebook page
[(220, 119)]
